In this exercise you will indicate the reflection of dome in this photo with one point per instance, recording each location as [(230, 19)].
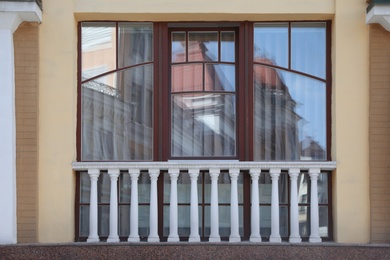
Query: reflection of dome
[(266, 75)]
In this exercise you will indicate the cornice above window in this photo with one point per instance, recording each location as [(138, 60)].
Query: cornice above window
[(378, 11), (27, 10)]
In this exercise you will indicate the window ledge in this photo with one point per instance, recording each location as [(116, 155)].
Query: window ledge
[(379, 12)]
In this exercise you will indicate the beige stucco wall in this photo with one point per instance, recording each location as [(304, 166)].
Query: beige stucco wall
[(58, 95)]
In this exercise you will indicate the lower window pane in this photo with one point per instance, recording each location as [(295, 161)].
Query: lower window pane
[(143, 219), (324, 224), (124, 220), (103, 220), (84, 221)]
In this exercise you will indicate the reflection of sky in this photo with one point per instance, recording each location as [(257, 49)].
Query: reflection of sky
[(308, 55)]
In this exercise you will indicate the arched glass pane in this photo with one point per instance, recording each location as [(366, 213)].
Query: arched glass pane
[(203, 125), (117, 117), (289, 116), (98, 49), (308, 48), (271, 43), (135, 43)]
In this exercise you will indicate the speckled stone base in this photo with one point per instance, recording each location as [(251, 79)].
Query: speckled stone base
[(204, 250)]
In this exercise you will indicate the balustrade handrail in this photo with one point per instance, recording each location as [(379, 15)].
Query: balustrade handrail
[(205, 165)]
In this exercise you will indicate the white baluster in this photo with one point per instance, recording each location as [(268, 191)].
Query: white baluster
[(275, 234), (113, 236), (255, 208), (214, 212), (314, 211), (173, 235), (194, 236), (294, 221), (153, 224), (134, 235), (234, 216), (93, 206)]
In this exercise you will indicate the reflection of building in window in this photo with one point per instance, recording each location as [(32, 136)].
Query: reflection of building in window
[(276, 131)]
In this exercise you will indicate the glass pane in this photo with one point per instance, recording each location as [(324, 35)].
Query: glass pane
[(228, 47), (220, 77), (203, 46), (308, 48), (289, 116), (206, 219), (203, 125), (303, 188), (184, 218), (304, 221), (283, 221), (224, 188), (124, 220), (117, 117), (85, 187), (104, 186), (187, 78), (124, 188), (207, 188), (84, 221), (323, 188), (98, 49), (184, 188), (224, 221), (324, 223), (178, 47), (143, 220), (135, 43), (265, 221), (144, 188), (265, 188), (103, 220), (271, 43)]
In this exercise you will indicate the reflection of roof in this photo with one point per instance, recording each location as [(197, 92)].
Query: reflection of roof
[(267, 75)]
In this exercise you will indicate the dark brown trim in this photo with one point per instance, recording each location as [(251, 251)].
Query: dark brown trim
[(329, 90), (79, 68), (249, 88), (164, 106)]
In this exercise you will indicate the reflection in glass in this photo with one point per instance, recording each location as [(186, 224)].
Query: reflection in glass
[(289, 116), (104, 188), (220, 77), (227, 46), (203, 125), (207, 42), (124, 188), (144, 188), (323, 188), (143, 220), (124, 220), (271, 42), (188, 77), (84, 221), (104, 220), (85, 187), (98, 49), (179, 47), (135, 43), (117, 118), (265, 188), (308, 48)]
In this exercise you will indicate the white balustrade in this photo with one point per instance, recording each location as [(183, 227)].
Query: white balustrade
[(194, 218), (234, 218), (275, 234), (134, 235), (255, 170), (93, 208), (113, 236), (214, 211), (255, 208), (294, 214), (173, 235), (314, 214), (153, 223)]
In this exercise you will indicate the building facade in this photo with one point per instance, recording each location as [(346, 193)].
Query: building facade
[(183, 121)]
